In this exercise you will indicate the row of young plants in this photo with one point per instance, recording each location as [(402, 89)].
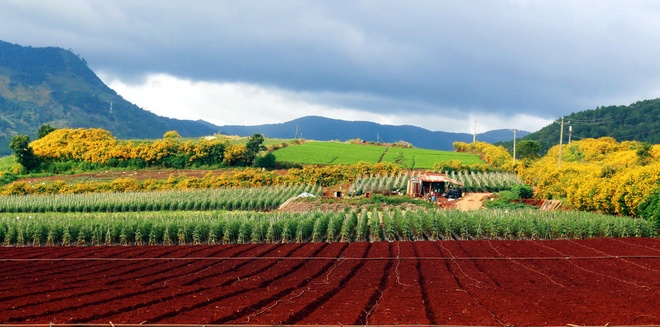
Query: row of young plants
[(260, 198), (208, 227), (380, 184), (472, 182), (477, 181)]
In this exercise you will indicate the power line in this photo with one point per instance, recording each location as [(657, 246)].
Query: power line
[(603, 120), (89, 259), (624, 137)]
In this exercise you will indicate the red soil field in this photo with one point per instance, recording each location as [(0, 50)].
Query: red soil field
[(486, 282)]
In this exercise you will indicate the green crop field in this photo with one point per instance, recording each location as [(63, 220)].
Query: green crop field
[(344, 153), (424, 158), (214, 227)]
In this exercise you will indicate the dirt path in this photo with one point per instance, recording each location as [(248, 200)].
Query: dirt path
[(472, 201)]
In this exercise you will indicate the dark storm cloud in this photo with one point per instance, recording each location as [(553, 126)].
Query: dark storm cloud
[(542, 58)]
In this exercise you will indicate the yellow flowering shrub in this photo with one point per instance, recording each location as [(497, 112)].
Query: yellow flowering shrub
[(249, 177), (171, 135), (495, 155), (96, 145), (596, 174), (84, 144)]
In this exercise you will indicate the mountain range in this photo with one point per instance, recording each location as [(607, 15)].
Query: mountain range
[(55, 86), (321, 128)]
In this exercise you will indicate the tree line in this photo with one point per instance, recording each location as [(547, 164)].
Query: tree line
[(59, 150)]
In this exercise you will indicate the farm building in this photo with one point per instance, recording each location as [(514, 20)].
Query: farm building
[(431, 184)]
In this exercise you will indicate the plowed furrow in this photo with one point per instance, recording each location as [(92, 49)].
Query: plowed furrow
[(325, 297), (220, 295), (310, 280)]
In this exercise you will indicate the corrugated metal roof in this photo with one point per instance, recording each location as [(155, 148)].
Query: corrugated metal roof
[(437, 178)]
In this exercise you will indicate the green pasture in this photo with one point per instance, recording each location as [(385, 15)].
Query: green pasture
[(7, 163), (424, 158), (324, 153)]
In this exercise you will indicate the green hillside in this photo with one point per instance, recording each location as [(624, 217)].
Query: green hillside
[(323, 153), (54, 86), (639, 121)]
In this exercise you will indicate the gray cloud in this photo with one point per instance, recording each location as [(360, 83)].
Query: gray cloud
[(540, 58)]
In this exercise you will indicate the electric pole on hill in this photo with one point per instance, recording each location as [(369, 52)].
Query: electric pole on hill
[(474, 136), (561, 139), (514, 146)]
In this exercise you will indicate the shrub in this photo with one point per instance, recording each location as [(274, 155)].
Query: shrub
[(7, 177), (287, 165), (177, 161), (506, 200), (649, 209), (267, 161), (171, 135), (523, 191), (59, 167)]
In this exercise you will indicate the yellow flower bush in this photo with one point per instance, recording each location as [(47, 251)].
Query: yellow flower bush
[(95, 145), (84, 144), (596, 174), (249, 177), (496, 156)]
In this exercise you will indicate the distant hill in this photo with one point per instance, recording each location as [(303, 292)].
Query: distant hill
[(54, 86), (325, 129), (639, 121)]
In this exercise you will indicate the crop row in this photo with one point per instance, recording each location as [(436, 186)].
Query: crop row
[(207, 227), (263, 198), (485, 181), (472, 182), (380, 184)]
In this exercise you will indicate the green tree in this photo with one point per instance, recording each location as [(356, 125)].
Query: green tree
[(44, 130), (20, 144), (254, 145), (214, 153), (528, 149), (267, 161)]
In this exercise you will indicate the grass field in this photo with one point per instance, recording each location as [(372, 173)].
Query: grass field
[(7, 162), (321, 153)]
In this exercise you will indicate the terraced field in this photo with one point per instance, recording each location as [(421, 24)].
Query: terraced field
[(487, 282)]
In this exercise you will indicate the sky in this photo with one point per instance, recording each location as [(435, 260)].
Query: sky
[(443, 65)]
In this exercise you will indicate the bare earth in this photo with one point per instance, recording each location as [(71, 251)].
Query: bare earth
[(594, 282), (472, 201)]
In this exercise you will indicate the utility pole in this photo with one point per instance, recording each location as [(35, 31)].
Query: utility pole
[(561, 139), (296, 136), (570, 131), (514, 146), (474, 136)]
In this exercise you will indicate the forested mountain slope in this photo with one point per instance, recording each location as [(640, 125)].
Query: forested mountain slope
[(639, 121), (54, 86)]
